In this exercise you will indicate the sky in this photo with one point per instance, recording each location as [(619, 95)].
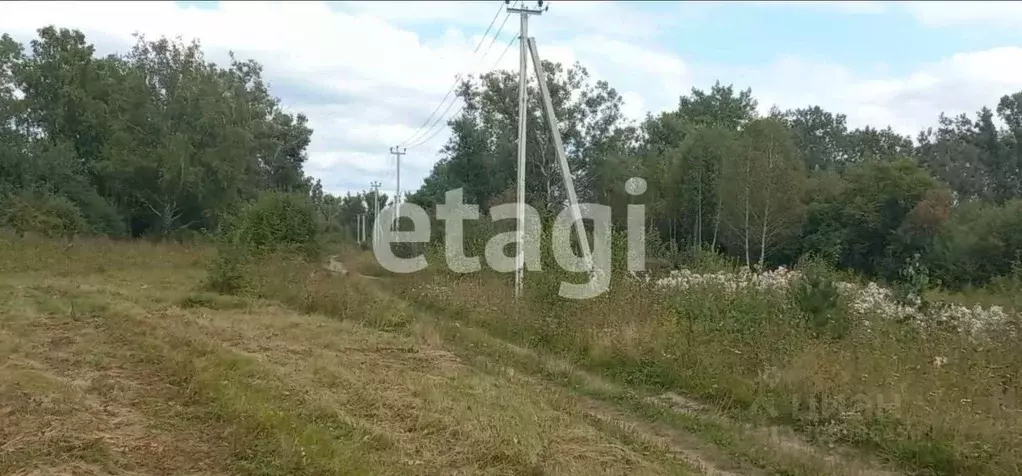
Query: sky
[(369, 74)]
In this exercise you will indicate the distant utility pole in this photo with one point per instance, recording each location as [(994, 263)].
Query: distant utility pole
[(397, 190), (523, 66), (376, 207)]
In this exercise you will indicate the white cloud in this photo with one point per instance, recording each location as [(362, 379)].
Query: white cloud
[(937, 14), (962, 83), (610, 18), (367, 81), (973, 13), (851, 6)]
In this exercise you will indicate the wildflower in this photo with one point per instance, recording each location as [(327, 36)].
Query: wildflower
[(865, 301)]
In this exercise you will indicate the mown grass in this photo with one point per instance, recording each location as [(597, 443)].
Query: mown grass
[(111, 367), (754, 357), (132, 326), (319, 293)]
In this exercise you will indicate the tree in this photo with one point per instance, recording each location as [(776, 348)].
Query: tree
[(821, 137), (766, 178), (877, 198), (718, 108), (158, 138), (697, 175), (481, 154)]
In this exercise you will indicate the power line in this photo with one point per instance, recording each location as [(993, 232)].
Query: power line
[(437, 131), (495, 63), (457, 77), (499, 30), (508, 48), (487, 32)]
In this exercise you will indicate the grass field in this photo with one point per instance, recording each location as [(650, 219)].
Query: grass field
[(116, 360), (113, 364)]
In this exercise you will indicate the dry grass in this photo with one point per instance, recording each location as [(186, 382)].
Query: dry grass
[(876, 389), (115, 364), (117, 361), (704, 438)]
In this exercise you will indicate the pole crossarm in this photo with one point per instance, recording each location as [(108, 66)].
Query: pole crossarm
[(526, 11)]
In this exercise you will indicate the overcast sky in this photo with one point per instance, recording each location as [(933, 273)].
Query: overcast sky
[(369, 73)]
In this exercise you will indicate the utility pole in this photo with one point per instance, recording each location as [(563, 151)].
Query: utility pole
[(397, 190), (376, 207), (523, 66), (569, 183)]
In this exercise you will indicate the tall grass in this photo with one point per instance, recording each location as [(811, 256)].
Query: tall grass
[(926, 398)]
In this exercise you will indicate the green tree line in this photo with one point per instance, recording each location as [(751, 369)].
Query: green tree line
[(156, 141), (160, 141), (763, 190)]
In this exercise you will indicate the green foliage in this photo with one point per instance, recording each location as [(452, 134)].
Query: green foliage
[(979, 243), (276, 221), (761, 190), (41, 213), (159, 141), (914, 282), (816, 296), (858, 220), (226, 273), (158, 138), (705, 261)]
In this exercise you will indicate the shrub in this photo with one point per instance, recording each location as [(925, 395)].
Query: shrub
[(226, 272), (708, 261), (42, 213), (816, 296), (915, 280), (275, 221)]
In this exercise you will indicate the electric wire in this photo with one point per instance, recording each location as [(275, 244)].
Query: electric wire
[(458, 76), (437, 131)]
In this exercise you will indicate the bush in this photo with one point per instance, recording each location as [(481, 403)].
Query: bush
[(707, 261), (42, 213), (816, 295), (226, 273), (977, 245), (276, 221), (915, 280), (101, 216)]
